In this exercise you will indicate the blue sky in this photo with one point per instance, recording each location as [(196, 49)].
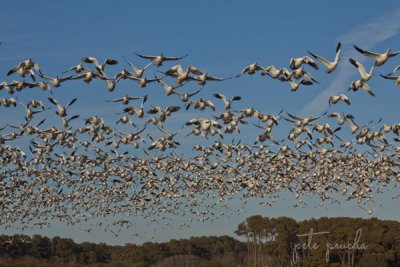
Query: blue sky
[(221, 37)]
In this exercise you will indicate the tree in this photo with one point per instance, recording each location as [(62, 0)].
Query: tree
[(41, 247)]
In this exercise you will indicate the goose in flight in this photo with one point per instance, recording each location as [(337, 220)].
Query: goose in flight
[(299, 73), (341, 120), (9, 87), (88, 76), (66, 121), (248, 112), (94, 120), (323, 128), (78, 68), (330, 65), (355, 85), (169, 89), (380, 59), (100, 67), (201, 104), (138, 72), (35, 104), (133, 110), (369, 211), (144, 81), (295, 63), (202, 79), (112, 83), (62, 110), (180, 75), (22, 71), (274, 73), (158, 60), (164, 113), (227, 103), (300, 122), (18, 85), (295, 85), (123, 74), (251, 69), (396, 79), (29, 112), (333, 99), (126, 120), (7, 102), (185, 96), (125, 100), (56, 81), (43, 86), (26, 68), (365, 76), (264, 136)]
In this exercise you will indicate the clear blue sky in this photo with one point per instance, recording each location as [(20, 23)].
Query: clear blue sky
[(221, 37)]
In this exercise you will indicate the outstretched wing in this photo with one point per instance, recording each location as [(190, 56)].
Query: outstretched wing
[(146, 56), (367, 53)]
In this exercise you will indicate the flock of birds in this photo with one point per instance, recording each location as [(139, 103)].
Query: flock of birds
[(130, 167)]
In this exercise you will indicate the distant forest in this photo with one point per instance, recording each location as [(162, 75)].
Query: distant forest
[(267, 241)]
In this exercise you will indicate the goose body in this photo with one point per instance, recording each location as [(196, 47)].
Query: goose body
[(355, 85), (62, 110), (251, 69), (295, 63), (336, 98)]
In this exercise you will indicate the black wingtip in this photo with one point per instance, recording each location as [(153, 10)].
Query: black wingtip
[(358, 49), (353, 62), (313, 55), (339, 46)]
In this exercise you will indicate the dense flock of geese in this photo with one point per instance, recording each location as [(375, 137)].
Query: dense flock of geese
[(130, 167)]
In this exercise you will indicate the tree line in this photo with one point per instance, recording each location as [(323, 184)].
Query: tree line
[(263, 241)]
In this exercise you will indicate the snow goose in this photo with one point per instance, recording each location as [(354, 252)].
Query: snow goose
[(227, 103), (169, 89), (295, 85), (138, 72), (251, 69), (185, 96), (62, 110), (158, 60), (180, 75), (333, 99), (202, 79), (396, 79), (295, 63), (355, 85), (380, 59), (144, 81), (201, 104), (330, 65), (365, 76), (100, 67), (125, 100), (56, 81)]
